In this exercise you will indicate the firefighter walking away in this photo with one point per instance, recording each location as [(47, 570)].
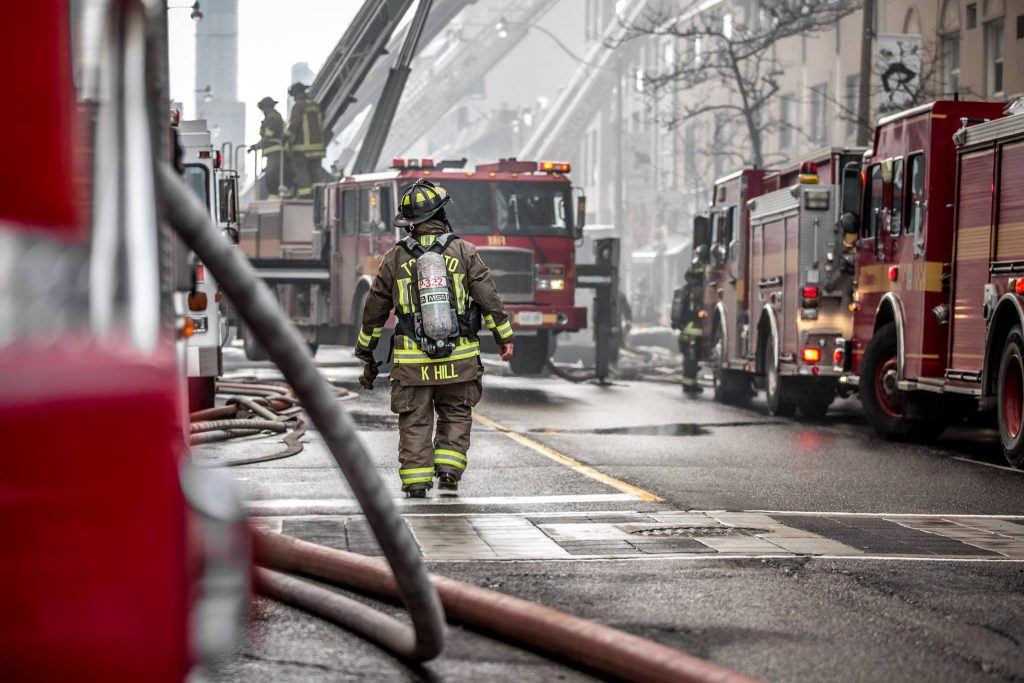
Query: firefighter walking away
[(443, 294), (686, 307)]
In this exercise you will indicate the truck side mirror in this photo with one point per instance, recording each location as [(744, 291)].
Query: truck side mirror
[(581, 217), (701, 231), (849, 222)]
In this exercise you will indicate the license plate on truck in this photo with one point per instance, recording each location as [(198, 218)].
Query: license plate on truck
[(529, 318)]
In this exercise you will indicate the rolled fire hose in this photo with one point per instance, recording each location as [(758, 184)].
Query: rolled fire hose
[(286, 348), (596, 646)]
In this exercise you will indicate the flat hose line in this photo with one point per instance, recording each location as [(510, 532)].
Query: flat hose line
[(284, 345), (596, 646)]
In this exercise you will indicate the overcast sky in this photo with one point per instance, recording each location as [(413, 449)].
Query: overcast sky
[(273, 35)]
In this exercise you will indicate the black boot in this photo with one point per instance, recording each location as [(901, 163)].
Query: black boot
[(447, 481), (417, 490)]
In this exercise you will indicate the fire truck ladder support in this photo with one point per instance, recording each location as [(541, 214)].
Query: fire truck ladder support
[(288, 350)]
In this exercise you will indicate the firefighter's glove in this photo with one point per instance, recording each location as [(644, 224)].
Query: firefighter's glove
[(370, 372)]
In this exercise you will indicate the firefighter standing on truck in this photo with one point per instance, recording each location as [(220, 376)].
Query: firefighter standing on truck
[(686, 318), (272, 145), (429, 374), (305, 141)]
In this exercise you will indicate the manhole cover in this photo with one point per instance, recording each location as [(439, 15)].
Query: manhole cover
[(698, 531)]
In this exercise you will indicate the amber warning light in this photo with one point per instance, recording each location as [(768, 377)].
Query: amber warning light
[(555, 166)]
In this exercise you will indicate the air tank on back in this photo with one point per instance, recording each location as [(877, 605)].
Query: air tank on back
[(435, 307)]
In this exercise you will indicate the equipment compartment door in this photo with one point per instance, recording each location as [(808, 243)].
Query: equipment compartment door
[(971, 260)]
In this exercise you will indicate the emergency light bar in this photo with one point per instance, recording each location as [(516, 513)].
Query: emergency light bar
[(402, 163), (555, 166)]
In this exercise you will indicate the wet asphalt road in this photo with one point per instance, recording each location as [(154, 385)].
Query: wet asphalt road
[(879, 616)]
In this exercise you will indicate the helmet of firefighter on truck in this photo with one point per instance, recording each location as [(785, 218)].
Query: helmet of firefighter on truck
[(420, 202), (267, 103), (297, 89)]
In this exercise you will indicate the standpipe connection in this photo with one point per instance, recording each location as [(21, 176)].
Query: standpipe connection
[(286, 348)]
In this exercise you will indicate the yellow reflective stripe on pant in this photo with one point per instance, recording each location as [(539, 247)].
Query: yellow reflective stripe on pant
[(461, 352), (364, 339), (443, 456), (691, 330), (416, 475), (504, 330)]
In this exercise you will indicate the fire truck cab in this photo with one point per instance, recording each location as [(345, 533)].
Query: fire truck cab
[(217, 188), (518, 213), (904, 250)]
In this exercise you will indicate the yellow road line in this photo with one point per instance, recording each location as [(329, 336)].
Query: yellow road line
[(571, 463)]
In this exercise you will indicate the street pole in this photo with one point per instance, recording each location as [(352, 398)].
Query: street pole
[(864, 93)]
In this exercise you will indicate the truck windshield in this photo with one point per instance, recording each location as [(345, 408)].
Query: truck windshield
[(532, 209), (471, 211), (197, 178)]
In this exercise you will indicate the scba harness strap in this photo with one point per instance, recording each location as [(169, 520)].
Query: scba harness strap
[(410, 324)]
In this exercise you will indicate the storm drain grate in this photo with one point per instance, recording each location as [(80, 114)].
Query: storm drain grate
[(692, 531)]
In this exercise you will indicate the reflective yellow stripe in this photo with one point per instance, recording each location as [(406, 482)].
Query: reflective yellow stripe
[(416, 475), (377, 332), (427, 240), (460, 306), (404, 357), (403, 303), (363, 339), (504, 330), (442, 460), (461, 457), (489, 322)]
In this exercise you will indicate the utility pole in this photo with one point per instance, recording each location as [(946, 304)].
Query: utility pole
[(864, 93)]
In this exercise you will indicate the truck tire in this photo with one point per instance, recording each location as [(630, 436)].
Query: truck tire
[(779, 404), (531, 355), (883, 403), (732, 387), (253, 349), (1010, 398)]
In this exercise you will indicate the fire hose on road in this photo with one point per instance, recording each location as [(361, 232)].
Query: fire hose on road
[(596, 646), (599, 648)]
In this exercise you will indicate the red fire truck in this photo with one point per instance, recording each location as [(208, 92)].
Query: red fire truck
[(322, 256), (775, 286), (905, 230), (986, 342)]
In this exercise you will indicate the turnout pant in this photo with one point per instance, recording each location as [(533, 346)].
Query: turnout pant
[(420, 455), (306, 172)]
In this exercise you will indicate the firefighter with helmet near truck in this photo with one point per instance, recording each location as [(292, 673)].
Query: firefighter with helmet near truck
[(686, 306), (305, 141), (271, 143), (442, 293)]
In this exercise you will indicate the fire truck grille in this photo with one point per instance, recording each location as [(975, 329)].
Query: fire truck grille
[(512, 270)]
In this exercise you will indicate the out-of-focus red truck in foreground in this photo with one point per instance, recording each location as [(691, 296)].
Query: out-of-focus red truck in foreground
[(121, 562)]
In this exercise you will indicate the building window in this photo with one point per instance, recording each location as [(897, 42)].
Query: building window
[(1020, 26), (972, 15), (851, 102), (950, 54), (819, 114), (994, 56), (787, 121)]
